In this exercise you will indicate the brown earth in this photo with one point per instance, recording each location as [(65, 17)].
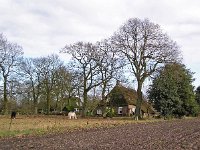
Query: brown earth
[(176, 134)]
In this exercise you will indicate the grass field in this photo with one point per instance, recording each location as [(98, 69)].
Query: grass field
[(36, 125)]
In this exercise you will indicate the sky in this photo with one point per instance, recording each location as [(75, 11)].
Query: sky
[(43, 27)]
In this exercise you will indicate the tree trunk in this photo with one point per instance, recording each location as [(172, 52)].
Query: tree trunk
[(79, 96), (35, 105), (84, 110), (68, 100), (35, 109), (139, 102), (5, 102), (48, 102), (34, 99), (104, 100), (57, 102), (61, 102)]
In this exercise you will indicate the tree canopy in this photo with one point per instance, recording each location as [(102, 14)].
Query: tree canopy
[(197, 96), (172, 92)]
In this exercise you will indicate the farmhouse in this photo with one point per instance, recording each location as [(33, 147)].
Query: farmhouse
[(123, 101)]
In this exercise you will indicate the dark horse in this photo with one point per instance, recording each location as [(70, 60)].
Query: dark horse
[(13, 115)]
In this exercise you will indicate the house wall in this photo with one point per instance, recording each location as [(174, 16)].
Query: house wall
[(129, 111), (126, 110)]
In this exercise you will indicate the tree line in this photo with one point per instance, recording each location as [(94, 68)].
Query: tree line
[(138, 47)]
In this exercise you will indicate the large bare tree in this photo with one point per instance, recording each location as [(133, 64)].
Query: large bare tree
[(32, 79), (146, 47), (9, 56), (47, 67), (84, 55)]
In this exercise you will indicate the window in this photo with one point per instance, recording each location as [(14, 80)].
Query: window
[(120, 110), (76, 109), (99, 112)]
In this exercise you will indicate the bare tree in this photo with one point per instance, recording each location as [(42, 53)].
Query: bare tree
[(9, 56), (32, 79), (64, 86), (110, 66), (146, 47), (84, 56), (47, 67)]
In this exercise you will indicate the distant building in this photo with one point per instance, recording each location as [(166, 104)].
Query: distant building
[(123, 100)]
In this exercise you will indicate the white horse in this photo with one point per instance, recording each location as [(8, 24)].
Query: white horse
[(72, 115)]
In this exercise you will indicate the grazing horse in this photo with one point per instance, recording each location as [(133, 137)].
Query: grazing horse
[(72, 115), (13, 115)]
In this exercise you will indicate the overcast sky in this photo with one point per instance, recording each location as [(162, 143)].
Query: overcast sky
[(43, 27)]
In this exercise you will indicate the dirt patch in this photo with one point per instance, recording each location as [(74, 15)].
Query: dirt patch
[(177, 134)]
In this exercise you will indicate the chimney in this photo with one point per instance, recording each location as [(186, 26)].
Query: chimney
[(118, 83)]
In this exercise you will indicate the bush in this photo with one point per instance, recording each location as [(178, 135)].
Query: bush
[(68, 108), (110, 112)]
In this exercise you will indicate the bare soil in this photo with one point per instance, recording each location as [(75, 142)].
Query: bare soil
[(164, 135)]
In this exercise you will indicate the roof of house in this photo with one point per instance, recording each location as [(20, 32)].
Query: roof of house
[(129, 96)]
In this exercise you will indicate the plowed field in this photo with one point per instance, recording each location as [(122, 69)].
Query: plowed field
[(176, 134)]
